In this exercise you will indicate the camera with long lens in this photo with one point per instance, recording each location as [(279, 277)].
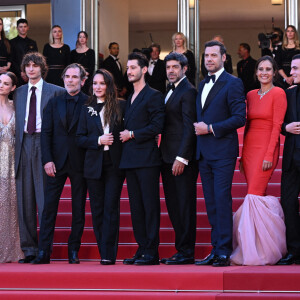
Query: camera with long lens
[(266, 39)]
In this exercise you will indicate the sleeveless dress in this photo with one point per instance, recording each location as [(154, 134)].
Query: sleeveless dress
[(10, 249), (258, 225)]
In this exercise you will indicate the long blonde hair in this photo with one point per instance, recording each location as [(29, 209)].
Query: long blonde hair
[(51, 39), (285, 39), (184, 40)]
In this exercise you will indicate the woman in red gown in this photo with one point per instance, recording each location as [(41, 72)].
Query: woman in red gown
[(258, 225)]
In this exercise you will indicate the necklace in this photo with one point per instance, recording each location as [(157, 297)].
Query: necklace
[(261, 94)]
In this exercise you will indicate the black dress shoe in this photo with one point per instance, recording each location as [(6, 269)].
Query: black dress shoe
[(73, 257), (208, 260), (179, 259), (222, 261), (27, 259), (130, 261), (42, 258), (107, 262), (147, 259), (289, 259)]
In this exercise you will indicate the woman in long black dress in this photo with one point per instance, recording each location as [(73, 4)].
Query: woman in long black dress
[(5, 62), (57, 55), (290, 47), (179, 43), (84, 56), (99, 127)]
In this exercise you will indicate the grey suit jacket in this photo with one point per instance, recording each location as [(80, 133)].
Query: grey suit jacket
[(20, 100)]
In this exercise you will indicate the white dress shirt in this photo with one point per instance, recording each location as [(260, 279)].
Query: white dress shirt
[(151, 66), (208, 86), (38, 93), (105, 127)]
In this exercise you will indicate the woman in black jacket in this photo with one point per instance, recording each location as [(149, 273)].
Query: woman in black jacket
[(100, 123)]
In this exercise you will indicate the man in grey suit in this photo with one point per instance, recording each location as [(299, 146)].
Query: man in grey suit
[(30, 100)]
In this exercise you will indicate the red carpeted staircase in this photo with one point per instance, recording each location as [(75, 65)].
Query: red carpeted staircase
[(90, 280)]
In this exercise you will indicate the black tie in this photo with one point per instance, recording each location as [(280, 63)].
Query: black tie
[(171, 86), (99, 106), (208, 78)]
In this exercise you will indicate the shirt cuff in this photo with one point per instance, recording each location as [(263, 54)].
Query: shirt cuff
[(183, 160), (99, 141)]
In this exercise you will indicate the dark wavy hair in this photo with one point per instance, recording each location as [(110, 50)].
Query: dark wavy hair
[(112, 112), (273, 63), (38, 59), (4, 39)]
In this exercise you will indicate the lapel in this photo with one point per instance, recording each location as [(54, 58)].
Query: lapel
[(45, 96), (218, 85), (77, 110), (131, 107), (23, 103), (62, 109), (198, 100), (156, 68), (176, 91), (294, 103)]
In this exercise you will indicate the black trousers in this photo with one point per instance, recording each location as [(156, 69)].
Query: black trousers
[(290, 188), (143, 190), (180, 194), (53, 190), (105, 195)]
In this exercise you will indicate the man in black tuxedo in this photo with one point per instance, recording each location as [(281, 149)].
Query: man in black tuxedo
[(62, 158), (20, 45), (144, 119), (156, 70), (113, 65), (246, 68), (290, 179), (179, 167), (221, 110)]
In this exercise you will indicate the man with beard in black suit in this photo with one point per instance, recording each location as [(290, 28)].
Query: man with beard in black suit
[(179, 167)]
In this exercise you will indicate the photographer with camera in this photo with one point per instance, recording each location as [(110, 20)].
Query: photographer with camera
[(290, 47), (271, 43)]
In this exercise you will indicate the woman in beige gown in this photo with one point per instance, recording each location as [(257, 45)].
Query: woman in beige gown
[(10, 249)]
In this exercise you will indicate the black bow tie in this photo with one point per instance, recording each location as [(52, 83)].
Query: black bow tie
[(170, 86), (208, 78), (153, 62), (116, 59), (99, 106)]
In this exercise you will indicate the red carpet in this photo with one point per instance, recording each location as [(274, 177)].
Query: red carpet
[(90, 279)]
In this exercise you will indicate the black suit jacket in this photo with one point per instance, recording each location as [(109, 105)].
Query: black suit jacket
[(145, 117), (57, 141), (178, 137), (110, 65), (19, 47), (158, 78), (246, 71), (291, 115), (88, 131)]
